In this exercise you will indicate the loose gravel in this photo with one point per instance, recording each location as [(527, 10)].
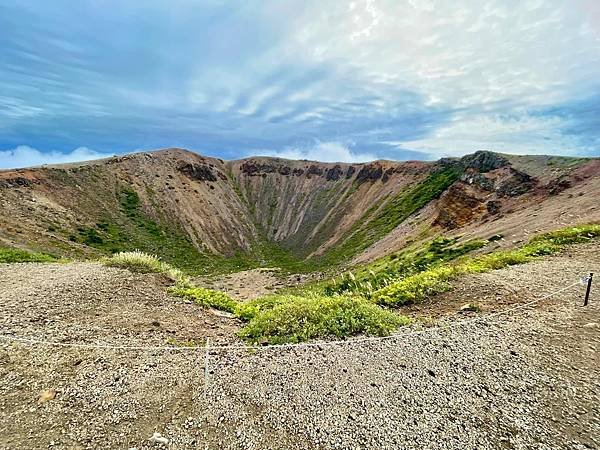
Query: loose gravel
[(526, 380)]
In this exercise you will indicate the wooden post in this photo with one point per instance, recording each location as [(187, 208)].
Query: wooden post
[(589, 288)]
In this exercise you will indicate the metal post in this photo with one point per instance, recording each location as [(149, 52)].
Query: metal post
[(587, 291)]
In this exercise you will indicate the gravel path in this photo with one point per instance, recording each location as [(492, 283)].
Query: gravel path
[(527, 380)]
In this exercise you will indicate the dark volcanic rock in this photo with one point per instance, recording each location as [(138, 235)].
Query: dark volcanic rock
[(518, 184), (493, 206), (387, 174), (314, 170), (334, 173), (200, 172), (478, 179), (350, 171), (285, 170), (15, 182), (558, 185), (484, 161), (254, 168), (369, 172)]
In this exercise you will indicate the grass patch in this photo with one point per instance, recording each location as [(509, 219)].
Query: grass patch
[(292, 319), (381, 219), (416, 287), (380, 273), (15, 255), (140, 262), (419, 273), (206, 297)]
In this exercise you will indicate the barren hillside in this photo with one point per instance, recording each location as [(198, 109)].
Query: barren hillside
[(205, 214)]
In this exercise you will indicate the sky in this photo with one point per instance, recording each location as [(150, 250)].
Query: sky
[(315, 79)]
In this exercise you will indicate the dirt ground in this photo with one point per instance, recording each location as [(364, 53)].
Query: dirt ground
[(529, 379), (250, 284)]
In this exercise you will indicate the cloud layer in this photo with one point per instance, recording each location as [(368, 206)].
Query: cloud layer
[(382, 79), (24, 156), (321, 151)]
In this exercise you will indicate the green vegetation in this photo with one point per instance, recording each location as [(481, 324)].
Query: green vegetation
[(180, 343), (133, 229), (206, 297), (278, 319), (428, 282), (566, 161), (140, 262), (383, 217), (15, 255), (297, 319), (381, 273), (355, 302)]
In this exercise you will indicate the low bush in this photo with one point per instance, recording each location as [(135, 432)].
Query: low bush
[(571, 235), (294, 319), (494, 261), (416, 287), (206, 297), (388, 270), (15, 255), (429, 282), (250, 309), (136, 261), (140, 262)]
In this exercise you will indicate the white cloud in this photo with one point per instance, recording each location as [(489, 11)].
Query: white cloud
[(24, 156), (464, 53), (322, 151), (520, 134)]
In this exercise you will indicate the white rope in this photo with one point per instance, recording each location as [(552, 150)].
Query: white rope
[(299, 345)]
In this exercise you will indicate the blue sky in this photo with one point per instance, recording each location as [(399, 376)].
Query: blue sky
[(326, 80)]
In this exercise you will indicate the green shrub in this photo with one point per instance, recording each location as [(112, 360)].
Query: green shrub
[(296, 319), (571, 235), (15, 255), (416, 287), (429, 282), (380, 274), (140, 262), (206, 297), (248, 310), (494, 261), (136, 261)]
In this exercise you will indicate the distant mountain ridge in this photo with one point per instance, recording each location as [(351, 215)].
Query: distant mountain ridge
[(208, 214)]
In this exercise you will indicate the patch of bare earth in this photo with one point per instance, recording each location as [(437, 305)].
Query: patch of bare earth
[(250, 284), (527, 380)]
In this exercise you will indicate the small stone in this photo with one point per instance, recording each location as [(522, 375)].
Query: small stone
[(158, 438), (47, 395)]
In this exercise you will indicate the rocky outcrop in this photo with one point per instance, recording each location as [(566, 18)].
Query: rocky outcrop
[(459, 205), (334, 173), (15, 182), (199, 172), (484, 161), (370, 172), (479, 180), (517, 183)]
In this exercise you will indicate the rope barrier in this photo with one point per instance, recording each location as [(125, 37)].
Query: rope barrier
[(299, 345)]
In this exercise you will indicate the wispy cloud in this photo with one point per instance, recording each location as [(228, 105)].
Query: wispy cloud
[(227, 77), (24, 156), (321, 151)]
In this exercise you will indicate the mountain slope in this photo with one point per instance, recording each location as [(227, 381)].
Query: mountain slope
[(206, 214)]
